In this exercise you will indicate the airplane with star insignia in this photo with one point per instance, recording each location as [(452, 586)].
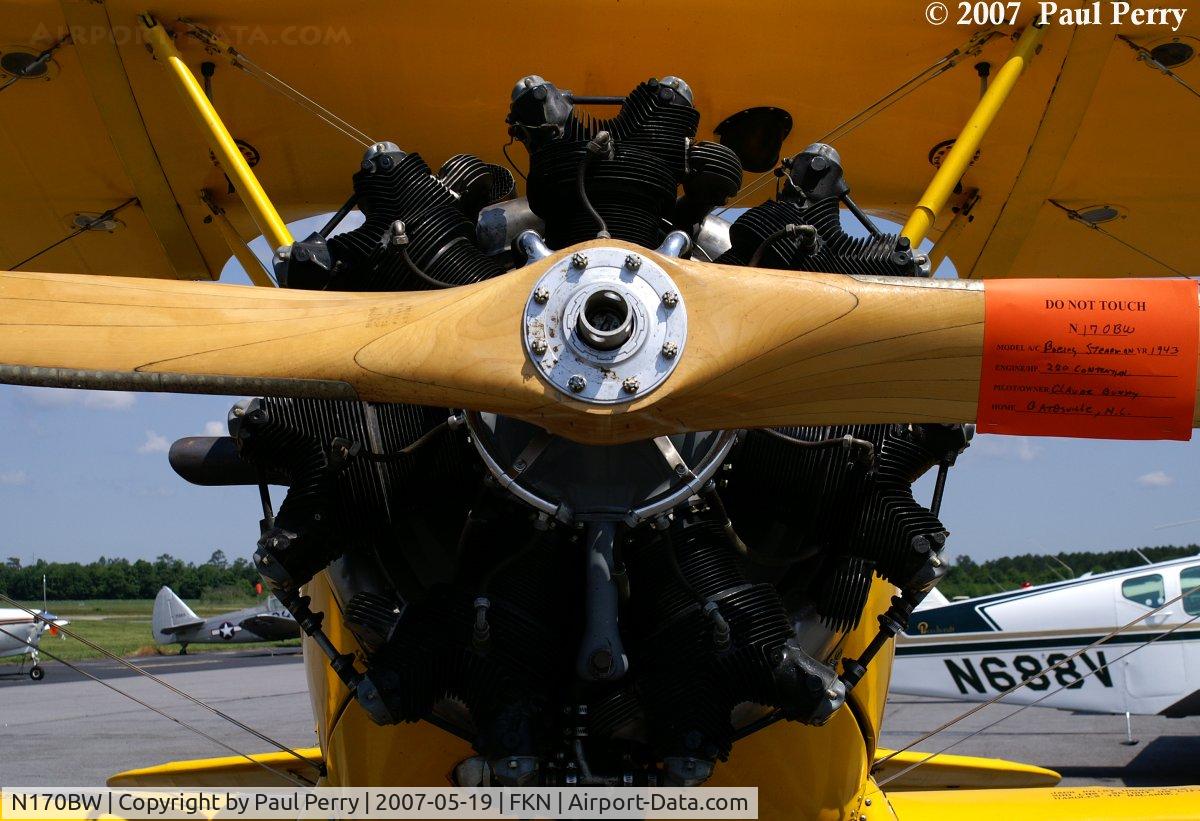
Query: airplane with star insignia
[(175, 623)]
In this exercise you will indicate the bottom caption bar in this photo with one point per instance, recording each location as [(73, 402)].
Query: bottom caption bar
[(36, 804)]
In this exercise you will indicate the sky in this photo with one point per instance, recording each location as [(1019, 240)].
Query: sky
[(85, 474)]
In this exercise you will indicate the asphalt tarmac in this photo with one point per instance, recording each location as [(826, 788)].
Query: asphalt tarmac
[(69, 731), (1085, 748)]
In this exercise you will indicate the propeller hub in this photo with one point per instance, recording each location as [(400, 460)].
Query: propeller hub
[(602, 320), (605, 321)]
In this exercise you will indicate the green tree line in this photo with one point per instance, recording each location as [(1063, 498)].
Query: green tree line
[(141, 579), (123, 579), (968, 578)]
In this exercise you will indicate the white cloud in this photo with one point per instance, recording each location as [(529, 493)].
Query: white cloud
[(70, 397), (1155, 478), (14, 478), (215, 429), (1021, 448), (154, 443), (1027, 450), (109, 400)]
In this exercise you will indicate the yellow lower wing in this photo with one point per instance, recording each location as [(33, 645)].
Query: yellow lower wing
[(230, 771), (961, 772), (940, 789), (1060, 803)]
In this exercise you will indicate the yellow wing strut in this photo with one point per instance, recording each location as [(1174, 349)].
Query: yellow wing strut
[(219, 139), (250, 263), (955, 165)]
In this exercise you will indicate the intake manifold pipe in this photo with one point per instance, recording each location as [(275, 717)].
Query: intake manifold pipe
[(601, 654)]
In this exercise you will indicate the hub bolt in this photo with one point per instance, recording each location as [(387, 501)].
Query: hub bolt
[(631, 384), (633, 262), (577, 383), (538, 346), (670, 350), (541, 295), (579, 260), (670, 299)]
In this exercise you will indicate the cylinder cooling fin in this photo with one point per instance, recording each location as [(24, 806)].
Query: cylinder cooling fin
[(584, 614)]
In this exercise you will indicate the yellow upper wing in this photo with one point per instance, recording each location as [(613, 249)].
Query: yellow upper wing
[(1088, 125)]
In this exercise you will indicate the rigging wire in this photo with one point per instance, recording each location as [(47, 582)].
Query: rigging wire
[(144, 672), (240, 61), (1112, 634), (284, 774), (1148, 58), (934, 69), (754, 185), (82, 229), (1075, 216), (1023, 707), (37, 62)]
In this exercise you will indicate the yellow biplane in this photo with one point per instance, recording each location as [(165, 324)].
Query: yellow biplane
[(609, 348)]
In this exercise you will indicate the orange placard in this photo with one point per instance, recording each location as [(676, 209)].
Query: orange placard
[(1100, 359)]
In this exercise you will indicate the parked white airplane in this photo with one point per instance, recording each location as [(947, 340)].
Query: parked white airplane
[(21, 633), (175, 623), (974, 649)]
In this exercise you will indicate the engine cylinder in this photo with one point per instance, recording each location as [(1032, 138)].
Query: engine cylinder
[(635, 190)]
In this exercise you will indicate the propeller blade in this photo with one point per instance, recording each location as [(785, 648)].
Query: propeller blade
[(457, 348), (769, 348)]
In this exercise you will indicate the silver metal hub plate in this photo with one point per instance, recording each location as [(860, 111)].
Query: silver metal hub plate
[(590, 296)]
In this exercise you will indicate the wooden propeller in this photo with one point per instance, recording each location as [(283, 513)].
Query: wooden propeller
[(764, 347)]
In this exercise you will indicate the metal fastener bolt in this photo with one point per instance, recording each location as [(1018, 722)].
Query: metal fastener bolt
[(576, 383), (520, 465), (631, 384), (831, 693), (867, 801), (579, 260), (399, 235), (541, 295), (670, 299), (670, 350), (633, 262), (538, 346)]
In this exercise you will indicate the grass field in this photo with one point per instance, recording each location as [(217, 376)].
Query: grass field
[(122, 626)]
